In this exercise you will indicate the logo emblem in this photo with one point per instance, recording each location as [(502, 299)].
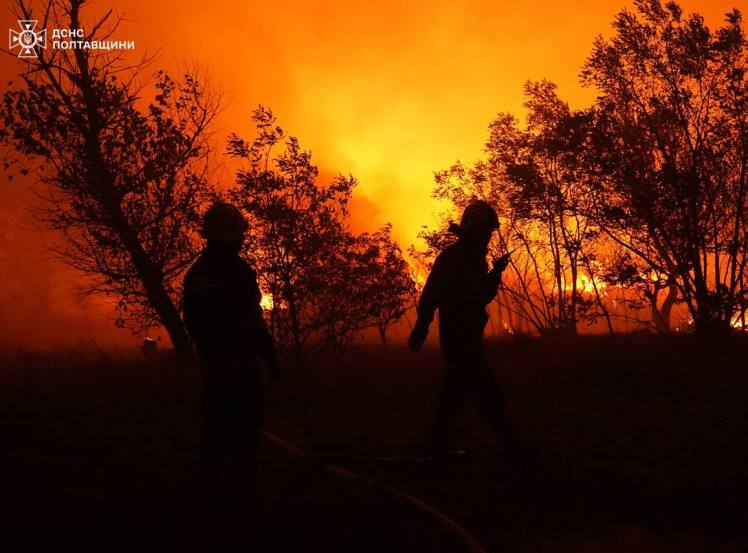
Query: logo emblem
[(27, 38)]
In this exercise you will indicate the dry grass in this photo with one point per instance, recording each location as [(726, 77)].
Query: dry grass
[(642, 446)]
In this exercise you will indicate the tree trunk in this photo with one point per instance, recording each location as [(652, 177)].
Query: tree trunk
[(103, 186), (153, 283), (383, 335), (661, 324), (667, 307)]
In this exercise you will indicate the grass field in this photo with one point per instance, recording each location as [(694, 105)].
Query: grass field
[(642, 446)]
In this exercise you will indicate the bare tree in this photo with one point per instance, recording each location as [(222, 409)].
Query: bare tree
[(122, 179)]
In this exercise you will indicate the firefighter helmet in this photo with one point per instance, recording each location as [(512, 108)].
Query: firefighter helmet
[(479, 215), (224, 222)]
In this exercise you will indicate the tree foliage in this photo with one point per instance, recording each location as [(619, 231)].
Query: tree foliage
[(669, 152), (121, 178), (326, 283), (533, 173), (642, 195)]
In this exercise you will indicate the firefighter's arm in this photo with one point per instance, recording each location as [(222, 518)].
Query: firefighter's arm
[(492, 279), (256, 327), (431, 296)]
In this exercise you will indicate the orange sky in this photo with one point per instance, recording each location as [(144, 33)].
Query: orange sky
[(388, 91)]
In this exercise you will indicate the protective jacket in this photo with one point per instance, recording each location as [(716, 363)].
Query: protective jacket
[(222, 310), (460, 286)]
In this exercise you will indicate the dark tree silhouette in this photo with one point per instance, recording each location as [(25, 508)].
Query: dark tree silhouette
[(645, 191), (296, 227), (338, 292), (671, 152), (644, 286), (389, 288), (121, 178), (327, 284), (539, 177), (534, 175)]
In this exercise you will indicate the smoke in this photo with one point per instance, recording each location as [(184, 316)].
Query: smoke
[(40, 303)]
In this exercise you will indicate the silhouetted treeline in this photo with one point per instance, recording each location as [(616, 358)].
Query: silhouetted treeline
[(624, 210), (125, 181), (631, 212), (325, 284)]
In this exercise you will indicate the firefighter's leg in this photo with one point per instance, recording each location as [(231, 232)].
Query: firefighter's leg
[(215, 428), (489, 396), (451, 397), (246, 417)]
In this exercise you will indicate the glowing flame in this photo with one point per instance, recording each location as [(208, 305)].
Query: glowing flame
[(587, 285), (737, 323), (266, 302)]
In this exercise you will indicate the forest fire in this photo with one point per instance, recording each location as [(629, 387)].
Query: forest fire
[(257, 256), (394, 154)]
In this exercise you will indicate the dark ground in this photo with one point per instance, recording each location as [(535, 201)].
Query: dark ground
[(642, 446)]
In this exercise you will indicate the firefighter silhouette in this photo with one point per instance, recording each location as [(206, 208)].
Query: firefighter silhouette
[(460, 286), (224, 319)]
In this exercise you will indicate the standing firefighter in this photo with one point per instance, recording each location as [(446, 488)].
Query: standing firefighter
[(460, 286), (224, 319)]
